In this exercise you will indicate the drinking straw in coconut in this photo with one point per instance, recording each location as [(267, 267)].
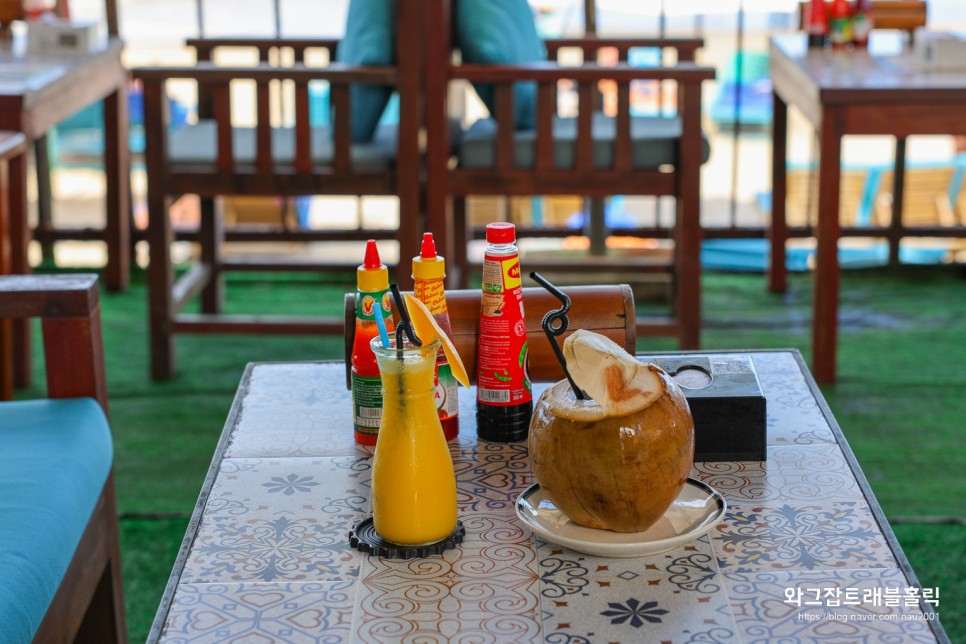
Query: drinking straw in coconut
[(554, 323)]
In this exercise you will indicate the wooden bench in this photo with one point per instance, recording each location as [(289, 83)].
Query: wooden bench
[(608, 310)]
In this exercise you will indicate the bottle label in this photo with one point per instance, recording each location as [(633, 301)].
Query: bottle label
[(366, 404), (447, 402), (430, 293), (502, 378), (367, 303)]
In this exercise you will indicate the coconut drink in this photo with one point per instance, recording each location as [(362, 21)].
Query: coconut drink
[(618, 460)]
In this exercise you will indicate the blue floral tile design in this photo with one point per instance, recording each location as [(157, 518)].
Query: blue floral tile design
[(792, 472), (255, 612), (674, 596), (765, 609), (799, 537)]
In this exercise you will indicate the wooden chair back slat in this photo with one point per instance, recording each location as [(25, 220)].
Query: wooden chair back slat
[(584, 148), (545, 112), (608, 310), (903, 15), (342, 134), (623, 160), (263, 127), (303, 133), (505, 149), (221, 112)]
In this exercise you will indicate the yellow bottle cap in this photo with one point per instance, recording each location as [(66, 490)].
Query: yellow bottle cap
[(372, 275)]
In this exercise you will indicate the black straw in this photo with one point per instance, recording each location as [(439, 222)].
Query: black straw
[(554, 323), (405, 324)]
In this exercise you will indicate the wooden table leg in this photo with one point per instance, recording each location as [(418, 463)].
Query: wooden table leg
[(898, 192), (826, 287), (19, 264), (117, 229), (778, 227), (45, 199)]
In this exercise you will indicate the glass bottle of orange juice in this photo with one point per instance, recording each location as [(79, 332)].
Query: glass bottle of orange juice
[(413, 482)]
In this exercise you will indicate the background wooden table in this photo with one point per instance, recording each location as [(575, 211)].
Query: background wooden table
[(12, 146), (36, 92), (842, 93)]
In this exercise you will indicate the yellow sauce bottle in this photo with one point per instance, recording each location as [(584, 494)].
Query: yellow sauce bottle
[(429, 269)]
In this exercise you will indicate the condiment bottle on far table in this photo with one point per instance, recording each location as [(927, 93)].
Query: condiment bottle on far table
[(372, 299), (816, 24), (503, 400), (862, 23), (429, 269), (840, 24)]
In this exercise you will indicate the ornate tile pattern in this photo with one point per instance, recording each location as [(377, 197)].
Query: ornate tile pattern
[(794, 417), (764, 615), (673, 596), (800, 536), (270, 561), (260, 612), (792, 472), (485, 591)]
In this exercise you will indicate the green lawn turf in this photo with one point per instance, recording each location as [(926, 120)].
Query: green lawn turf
[(899, 401)]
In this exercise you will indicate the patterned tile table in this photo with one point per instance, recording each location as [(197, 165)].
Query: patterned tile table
[(803, 553)]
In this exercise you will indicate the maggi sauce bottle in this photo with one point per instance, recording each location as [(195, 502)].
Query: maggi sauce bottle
[(429, 269), (372, 299), (503, 400)]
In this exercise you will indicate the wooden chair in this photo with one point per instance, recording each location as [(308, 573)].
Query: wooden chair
[(591, 155), (608, 310), (61, 580), (275, 161)]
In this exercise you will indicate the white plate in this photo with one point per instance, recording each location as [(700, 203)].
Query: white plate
[(695, 511)]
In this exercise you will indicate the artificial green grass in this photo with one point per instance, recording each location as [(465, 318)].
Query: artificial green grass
[(899, 401)]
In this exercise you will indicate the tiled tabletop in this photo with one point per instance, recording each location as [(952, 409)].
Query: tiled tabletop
[(267, 558)]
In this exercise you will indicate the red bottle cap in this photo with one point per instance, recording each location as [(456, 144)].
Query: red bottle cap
[(501, 232), (428, 249), (372, 256)]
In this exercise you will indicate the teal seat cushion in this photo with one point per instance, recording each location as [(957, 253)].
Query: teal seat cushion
[(370, 39), (196, 144), (501, 32), (55, 459), (653, 142)]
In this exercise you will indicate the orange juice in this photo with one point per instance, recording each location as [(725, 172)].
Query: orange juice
[(413, 482)]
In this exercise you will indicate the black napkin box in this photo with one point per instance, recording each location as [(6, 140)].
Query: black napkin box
[(726, 402)]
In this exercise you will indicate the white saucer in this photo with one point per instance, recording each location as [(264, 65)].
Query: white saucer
[(696, 510)]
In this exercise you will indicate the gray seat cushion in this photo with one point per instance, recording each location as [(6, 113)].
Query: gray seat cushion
[(197, 145), (654, 142)]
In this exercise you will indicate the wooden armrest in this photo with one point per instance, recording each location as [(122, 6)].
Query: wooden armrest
[(71, 319), (587, 73), (336, 73), (686, 47), (11, 144), (262, 43), (608, 310)]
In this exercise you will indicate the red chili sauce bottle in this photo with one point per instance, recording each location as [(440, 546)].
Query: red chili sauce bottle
[(504, 403), (372, 299)]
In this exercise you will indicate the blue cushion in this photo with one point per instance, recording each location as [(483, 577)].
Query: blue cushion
[(370, 39), (501, 31), (654, 141), (196, 144), (54, 462)]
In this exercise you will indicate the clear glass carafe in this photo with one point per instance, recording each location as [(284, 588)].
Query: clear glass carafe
[(413, 482)]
